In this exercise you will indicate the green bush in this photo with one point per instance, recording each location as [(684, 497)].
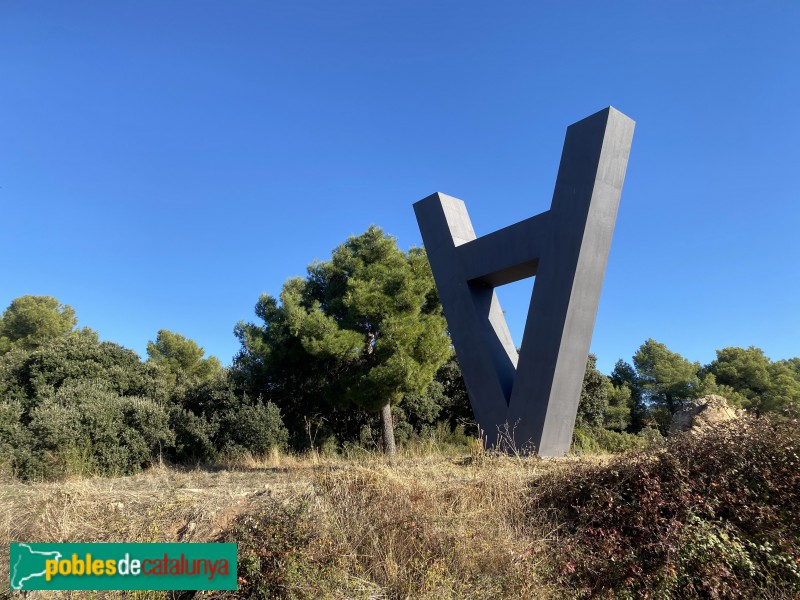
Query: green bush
[(85, 428), (14, 437), (256, 428), (583, 440), (598, 439), (213, 417), (31, 377), (12, 431), (76, 405), (194, 436)]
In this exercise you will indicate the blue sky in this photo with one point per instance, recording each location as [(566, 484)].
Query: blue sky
[(162, 163)]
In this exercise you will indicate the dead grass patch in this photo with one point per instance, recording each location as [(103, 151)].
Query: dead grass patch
[(310, 526)]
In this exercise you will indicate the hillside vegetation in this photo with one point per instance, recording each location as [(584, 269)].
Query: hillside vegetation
[(289, 451), (708, 516), (355, 356)]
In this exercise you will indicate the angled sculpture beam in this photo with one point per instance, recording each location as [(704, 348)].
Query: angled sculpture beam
[(535, 394)]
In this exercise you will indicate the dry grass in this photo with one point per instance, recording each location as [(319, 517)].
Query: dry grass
[(428, 526), (442, 526), (437, 530), (160, 505)]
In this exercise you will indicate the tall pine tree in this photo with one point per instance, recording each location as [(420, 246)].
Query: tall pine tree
[(366, 327)]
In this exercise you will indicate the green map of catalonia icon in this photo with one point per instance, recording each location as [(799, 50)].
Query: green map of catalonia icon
[(27, 564)]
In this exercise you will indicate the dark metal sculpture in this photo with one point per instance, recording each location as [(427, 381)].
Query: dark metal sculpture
[(532, 397)]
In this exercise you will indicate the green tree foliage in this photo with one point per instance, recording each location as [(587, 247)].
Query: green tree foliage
[(624, 376), (254, 427), (620, 405), (455, 403), (604, 412), (744, 370), (444, 404), (794, 366), (363, 329), (30, 321), (273, 363), (761, 384), (213, 418), (662, 381), (80, 406), (181, 358), (76, 405), (593, 401), (666, 379), (31, 376)]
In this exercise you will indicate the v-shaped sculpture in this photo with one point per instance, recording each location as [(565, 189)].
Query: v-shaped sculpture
[(531, 399)]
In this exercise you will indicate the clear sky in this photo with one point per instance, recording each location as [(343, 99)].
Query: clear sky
[(164, 162)]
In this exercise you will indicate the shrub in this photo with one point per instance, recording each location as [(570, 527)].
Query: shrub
[(14, 437), (213, 417), (88, 429), (255, 428), (709, 516), (31, 377), (12, 431), (194, 436), (598, 439), (284, 553)]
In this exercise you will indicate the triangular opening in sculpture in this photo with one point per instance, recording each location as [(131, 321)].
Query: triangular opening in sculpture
[(515, 300), (496, 332)]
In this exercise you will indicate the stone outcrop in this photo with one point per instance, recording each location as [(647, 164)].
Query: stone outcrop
[(702, 413)]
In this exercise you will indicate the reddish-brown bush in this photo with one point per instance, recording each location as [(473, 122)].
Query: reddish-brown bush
[(712, 515)]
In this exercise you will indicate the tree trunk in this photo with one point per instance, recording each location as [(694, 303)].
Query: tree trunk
[(388, 431)]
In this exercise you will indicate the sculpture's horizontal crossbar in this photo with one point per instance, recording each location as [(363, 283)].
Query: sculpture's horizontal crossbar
[(507, 255)]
